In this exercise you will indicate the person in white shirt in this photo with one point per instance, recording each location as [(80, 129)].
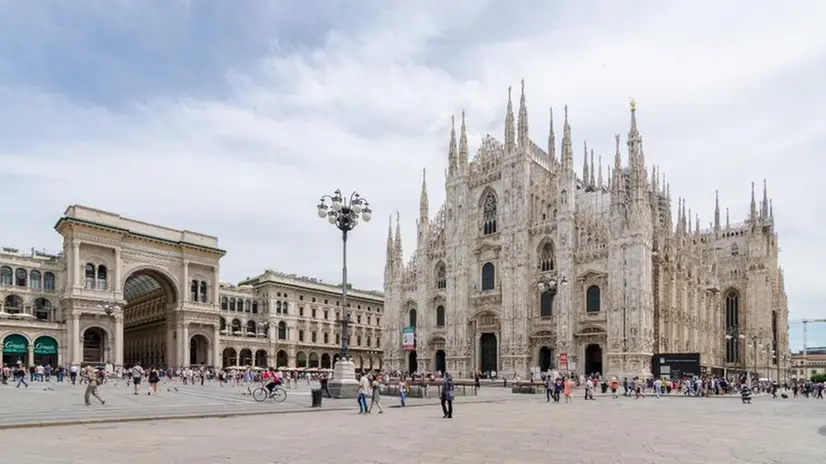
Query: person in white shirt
[(364, 391), (137, 375)]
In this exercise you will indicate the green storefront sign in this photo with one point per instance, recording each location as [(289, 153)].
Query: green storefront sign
[(45, 345), (15, 344)]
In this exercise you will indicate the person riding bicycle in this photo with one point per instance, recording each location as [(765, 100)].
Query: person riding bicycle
[(272, 380)]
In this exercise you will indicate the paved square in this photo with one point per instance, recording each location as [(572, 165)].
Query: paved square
[(519, 429)]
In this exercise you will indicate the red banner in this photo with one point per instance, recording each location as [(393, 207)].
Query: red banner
[(563, 361)]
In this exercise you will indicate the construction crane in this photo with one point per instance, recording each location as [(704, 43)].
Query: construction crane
[(806, 323)]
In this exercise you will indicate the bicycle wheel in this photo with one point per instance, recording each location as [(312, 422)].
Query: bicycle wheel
[(260, 394), (279, 395)]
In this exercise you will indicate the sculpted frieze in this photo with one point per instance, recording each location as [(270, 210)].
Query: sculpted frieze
[(96, 239)]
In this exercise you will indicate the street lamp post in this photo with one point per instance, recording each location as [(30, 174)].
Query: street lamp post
[(344, 213), (112, 307)]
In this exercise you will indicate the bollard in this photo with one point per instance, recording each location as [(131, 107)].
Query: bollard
[(315, 394)]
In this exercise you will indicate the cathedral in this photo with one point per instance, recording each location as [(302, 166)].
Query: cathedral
[(530, 265)]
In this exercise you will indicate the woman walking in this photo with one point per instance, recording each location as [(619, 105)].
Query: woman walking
[(375, 399), (447, 396)]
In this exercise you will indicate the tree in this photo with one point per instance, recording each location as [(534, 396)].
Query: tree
[(819, 377)]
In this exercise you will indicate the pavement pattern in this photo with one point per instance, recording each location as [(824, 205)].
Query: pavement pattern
[(513, 429)]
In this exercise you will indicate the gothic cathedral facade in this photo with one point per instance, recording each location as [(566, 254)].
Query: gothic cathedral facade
[(529, 265)]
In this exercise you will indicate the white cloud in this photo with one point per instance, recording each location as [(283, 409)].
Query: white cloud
[(727, 93)]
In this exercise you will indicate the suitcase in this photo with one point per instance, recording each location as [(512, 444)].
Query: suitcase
[(784, 396)]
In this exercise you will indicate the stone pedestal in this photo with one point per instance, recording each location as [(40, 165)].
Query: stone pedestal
[(344, 383)]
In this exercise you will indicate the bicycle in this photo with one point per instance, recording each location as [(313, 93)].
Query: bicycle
[(278, 394)]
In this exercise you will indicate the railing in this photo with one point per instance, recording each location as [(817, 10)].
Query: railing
[(428, 389)]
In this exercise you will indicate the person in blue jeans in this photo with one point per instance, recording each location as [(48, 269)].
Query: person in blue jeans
[(21, 377), (363, 392)]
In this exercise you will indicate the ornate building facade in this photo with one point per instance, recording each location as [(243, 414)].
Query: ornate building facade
[(174, 311), (529, 264)]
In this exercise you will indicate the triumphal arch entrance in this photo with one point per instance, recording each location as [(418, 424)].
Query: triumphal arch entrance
[(137, 292)]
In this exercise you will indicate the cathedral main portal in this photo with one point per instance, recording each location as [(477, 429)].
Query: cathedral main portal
[(147, 339), (488, 353)]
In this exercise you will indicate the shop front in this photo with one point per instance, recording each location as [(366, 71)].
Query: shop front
[(15, 349), (45, 351)]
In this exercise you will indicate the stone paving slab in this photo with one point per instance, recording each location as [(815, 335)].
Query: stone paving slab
[(514, 432)]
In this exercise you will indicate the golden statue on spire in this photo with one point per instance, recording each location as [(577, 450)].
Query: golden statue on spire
[(633, 105)]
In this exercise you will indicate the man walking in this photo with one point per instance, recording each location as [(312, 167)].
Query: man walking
[(93, 380), (137, 375)]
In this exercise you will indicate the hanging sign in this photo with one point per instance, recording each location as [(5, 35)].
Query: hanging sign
[(563, 361), (409, 338)]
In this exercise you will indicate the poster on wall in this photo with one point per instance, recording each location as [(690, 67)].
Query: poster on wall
[(409, 338), (563, 361)]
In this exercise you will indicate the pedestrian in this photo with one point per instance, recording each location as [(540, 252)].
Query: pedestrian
[(567, 385), (362, 392), (447, 396), (20, 373), (375, 399), (137, 375), (154, 378), (404, 388), (94, 379)]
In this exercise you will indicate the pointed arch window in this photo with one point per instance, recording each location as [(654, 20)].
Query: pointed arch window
[(412, 318), (440, 316), (35, 280), (6, 276), (732, 300), (593, 299), (546, 258), (89, 272), (489, 210), (488, 277), (48, 281), (102, 283), (546, 303), (441, 276)]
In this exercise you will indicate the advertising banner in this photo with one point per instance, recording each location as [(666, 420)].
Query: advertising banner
[(563, 361), (409, 338)]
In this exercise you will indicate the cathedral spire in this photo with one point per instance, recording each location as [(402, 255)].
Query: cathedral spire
[(552, 140), (771, 210), (716, 211), (753, 208), (599, 178), (398, 242), (633, 132), (764, 205), (463, 150), (452, 156), (618, 179), (424, 204), (510, 142), (697, 224), (389, 259), (524, 141), (728, 222), (585, 172), (592, 181), (688, 227), (567, 150)]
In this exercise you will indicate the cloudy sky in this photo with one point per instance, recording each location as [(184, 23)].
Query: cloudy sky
[(232, 118)]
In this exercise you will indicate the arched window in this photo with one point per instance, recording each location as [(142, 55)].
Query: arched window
[(48, 281), (90, 275), (21, 277), (546, 304), (43, 309), (282, 330), (236, 325), (232, 304), (255, 307), (593, 299), (440, 316), (247, 306), (6, 276), (489, 214), (285, 308), (488, 276), (102, 277), (441, 276), (732, 326), (546, 258), (223, 324), (278, 307), (13, 304), (224, 303), (193, 290), (412, 318), (203, 291), (35, 280)]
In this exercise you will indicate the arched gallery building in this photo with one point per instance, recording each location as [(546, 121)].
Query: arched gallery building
[(173, 309)]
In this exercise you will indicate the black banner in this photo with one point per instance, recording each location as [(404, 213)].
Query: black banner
[(676, 365)]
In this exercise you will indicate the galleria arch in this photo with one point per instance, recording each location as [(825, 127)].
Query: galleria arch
[(151, 297)]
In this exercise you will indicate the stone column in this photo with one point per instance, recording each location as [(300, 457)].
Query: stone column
[(117, 286), (216, 287), (477, 352), (30, 360), (186, 283), (118, 361), (216, 345), (76, 264), (75, 341), (185, 348)]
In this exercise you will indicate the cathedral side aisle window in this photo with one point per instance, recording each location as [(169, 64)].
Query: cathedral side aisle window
[(546, 304), (489, 214), (593, 299), (546, 258), (488, 277)]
